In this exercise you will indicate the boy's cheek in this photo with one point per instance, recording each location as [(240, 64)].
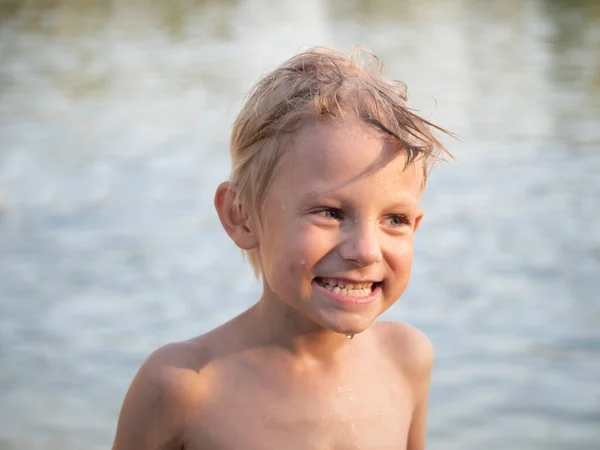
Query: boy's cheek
[(398, 251), (401, 259), (404, 248)]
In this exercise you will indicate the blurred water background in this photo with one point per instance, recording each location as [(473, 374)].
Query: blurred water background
[(114, 122)]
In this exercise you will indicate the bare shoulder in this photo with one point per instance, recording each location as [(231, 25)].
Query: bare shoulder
[(408, 346), (157, 404), (175, 370)]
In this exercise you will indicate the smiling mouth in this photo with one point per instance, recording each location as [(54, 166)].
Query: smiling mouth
[(346, 288)]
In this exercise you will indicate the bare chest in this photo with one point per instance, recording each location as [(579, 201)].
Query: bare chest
[(309, 415)]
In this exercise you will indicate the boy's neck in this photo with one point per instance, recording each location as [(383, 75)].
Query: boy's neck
[(274, 323)]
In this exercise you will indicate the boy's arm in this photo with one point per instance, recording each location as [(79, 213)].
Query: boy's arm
[(414, 354), (151, 417), (422, 365)]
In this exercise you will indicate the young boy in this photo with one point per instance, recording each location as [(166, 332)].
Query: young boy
[(328, 167)]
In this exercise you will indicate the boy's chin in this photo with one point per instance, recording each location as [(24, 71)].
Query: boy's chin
[(348, 326)]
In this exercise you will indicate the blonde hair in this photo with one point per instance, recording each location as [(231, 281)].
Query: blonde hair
[(320, 85)]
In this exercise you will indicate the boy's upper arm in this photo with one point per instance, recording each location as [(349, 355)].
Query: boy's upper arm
[(153, 412), (416, 356), (422, 365)]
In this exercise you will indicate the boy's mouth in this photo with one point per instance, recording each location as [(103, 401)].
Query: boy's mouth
[(346, 288)]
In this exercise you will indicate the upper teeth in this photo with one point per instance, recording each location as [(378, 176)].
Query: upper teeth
[(342, 285)]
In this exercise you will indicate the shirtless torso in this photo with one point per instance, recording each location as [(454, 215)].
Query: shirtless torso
[(220, 392)]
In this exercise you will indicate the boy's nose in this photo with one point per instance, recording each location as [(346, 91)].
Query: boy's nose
[(361, 246)]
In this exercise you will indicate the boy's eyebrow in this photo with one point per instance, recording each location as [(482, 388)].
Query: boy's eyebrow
[(313, 196)]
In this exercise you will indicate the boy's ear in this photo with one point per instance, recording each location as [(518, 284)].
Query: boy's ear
[(234, 218), (418, 218)]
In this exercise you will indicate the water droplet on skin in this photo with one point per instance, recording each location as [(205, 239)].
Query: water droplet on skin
[(349, 336)]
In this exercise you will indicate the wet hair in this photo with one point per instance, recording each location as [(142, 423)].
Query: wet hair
[(319, 86)]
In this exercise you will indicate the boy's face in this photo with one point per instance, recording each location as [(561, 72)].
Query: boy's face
[(337, 226)]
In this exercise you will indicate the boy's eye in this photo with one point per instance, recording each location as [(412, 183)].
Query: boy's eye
[(397, 220), (330, 213)]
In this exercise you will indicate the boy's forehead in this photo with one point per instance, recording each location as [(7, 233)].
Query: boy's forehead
[(328, 133), (345, 149)]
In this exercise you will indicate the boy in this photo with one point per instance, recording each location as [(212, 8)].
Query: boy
[(328, 167)]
